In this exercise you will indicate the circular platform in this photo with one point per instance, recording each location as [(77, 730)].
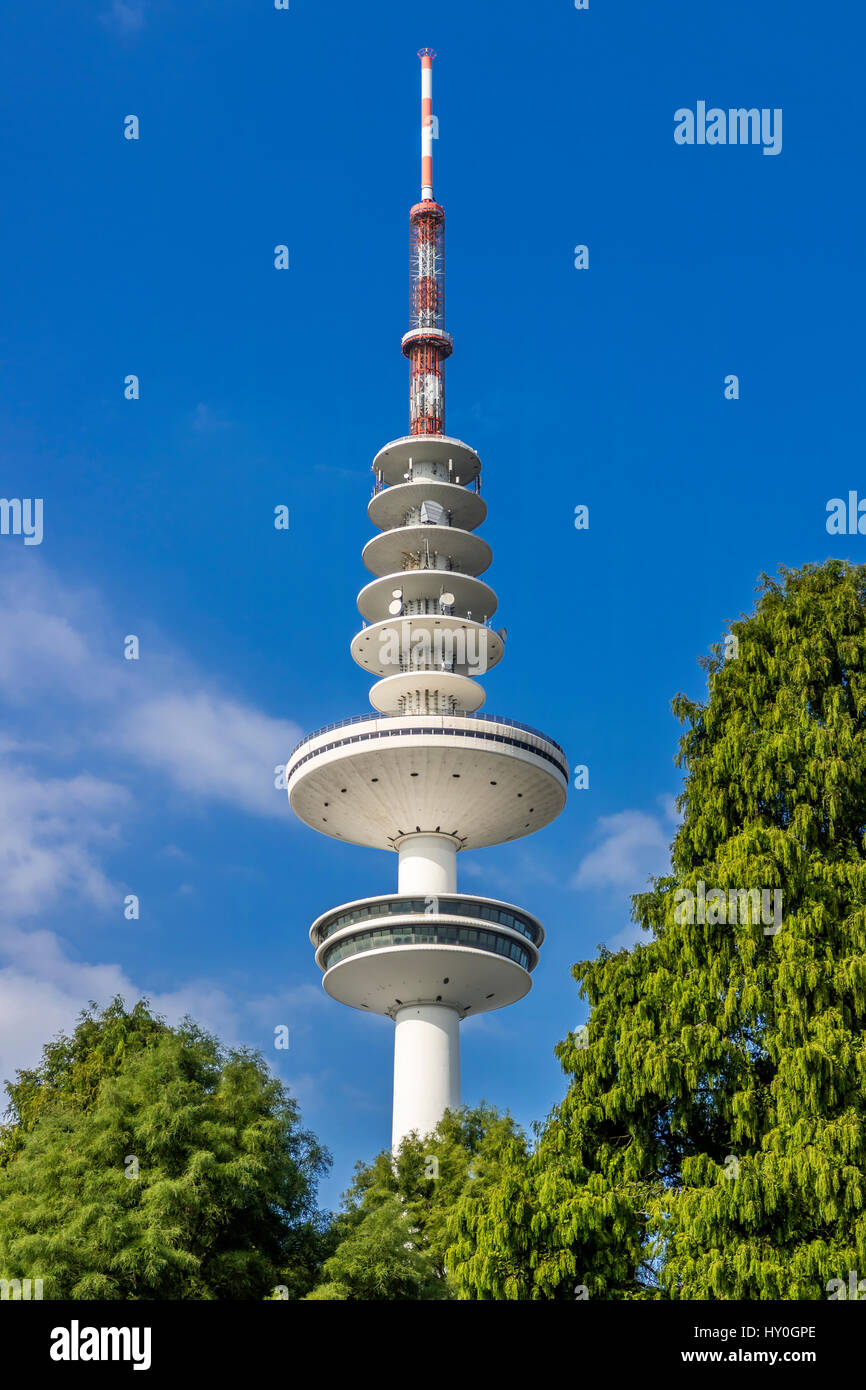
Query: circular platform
[(390, 505), (393, 461), (438, 690), (468, 553), (382, 981), (470, 595), (476, 648), (374, 780), (438, 337)]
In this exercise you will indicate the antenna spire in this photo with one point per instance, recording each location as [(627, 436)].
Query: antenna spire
[(427, 345), (426, 55)]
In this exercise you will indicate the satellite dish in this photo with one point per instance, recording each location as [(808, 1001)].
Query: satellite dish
[(446, 601), (395, 607), (396, 593)]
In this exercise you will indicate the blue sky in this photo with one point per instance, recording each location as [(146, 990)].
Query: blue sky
[(260, 387)]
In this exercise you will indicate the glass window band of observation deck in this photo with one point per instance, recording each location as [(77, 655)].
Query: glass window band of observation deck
[(416, 729), (445, 907), (458, 714), (428, 935)]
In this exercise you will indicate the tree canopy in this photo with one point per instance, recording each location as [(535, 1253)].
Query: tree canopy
[(392, 1234), (712, 1141), (148, 1162)]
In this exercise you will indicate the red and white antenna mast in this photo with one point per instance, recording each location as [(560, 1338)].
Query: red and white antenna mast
[(427, 345)]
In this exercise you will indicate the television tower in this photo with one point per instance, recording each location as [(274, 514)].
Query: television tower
[(426, 775)]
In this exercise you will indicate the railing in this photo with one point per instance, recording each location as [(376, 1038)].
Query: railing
[(443, 906), (381, 487), (456, 714)]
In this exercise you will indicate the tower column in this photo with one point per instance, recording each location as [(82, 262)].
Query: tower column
[(426, 1068), (428, 865)]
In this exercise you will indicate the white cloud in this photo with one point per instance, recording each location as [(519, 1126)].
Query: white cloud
[(292, 1005), (42, 992), (57, 643), (634, 846), (630, 935), (213, 747), (124, 16), (73, 704), (52, 640), (51, 829), (175, 852), (205, 420)]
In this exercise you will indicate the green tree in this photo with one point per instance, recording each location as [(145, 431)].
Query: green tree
[(148, 1162), (392, 1234), (712, 1142), (72, 1068), (380, 1259)]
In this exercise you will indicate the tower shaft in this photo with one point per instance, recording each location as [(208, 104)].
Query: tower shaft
[(426, 1069)]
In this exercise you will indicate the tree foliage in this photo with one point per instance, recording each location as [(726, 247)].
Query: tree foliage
[(712, 1142), (147, 1162), (380, 1259), (392, 1234)]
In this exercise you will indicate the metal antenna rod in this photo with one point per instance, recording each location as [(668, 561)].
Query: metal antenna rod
[(426, 55)]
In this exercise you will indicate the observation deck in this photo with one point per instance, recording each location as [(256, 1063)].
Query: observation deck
[(477, 778), (466, 953)]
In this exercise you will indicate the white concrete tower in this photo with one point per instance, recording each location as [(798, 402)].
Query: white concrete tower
[(427, 775)]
